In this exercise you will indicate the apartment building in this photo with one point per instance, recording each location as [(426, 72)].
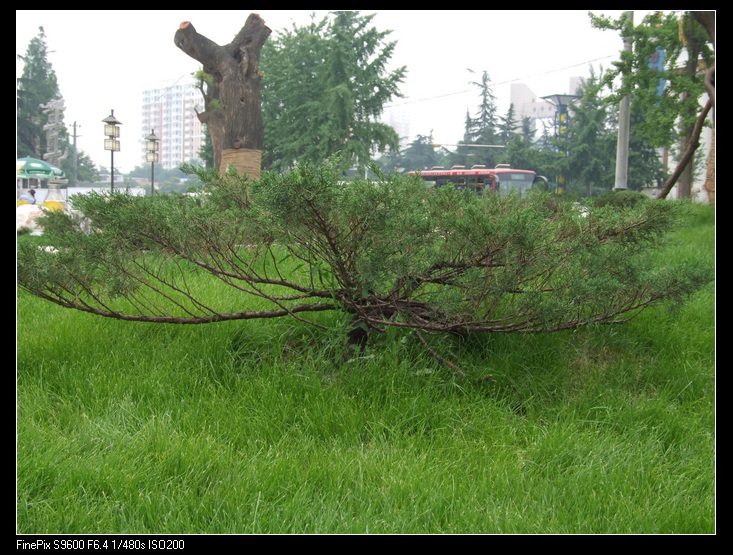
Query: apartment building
[(399, 120), (170, 111), (527, 104)]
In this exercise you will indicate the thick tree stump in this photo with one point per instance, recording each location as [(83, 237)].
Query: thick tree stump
[(232, 101), (245, 160)]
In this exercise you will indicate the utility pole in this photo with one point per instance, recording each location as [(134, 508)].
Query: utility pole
[(624, 122)]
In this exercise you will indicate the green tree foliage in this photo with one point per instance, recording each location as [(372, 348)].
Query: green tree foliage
[(419, 154), (172, 180), (522, 151), (528, 130), (639, 77), (392, 161), (591, 142), (668, 94), (462, 155), (545, 139), (36, 86), (508, 126), (645, 168), (590, 165), (207, 149), (483, 129), (381, 254), (324, 87), (87, 172)]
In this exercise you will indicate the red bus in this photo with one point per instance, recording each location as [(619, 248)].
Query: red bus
[(500, 179)]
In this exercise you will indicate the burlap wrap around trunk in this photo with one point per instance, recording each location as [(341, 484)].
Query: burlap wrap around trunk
[(246, 161)]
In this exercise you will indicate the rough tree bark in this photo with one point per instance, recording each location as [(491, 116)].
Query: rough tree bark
[(707, 20), (232, 101)]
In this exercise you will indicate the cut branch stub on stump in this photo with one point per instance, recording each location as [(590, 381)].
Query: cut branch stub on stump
[(232, 101)]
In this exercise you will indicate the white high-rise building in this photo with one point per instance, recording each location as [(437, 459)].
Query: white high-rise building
[(400, 121), (526, 103), (170, 111)]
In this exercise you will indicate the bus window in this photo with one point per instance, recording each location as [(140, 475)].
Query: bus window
[(514, 181), (473, 183)]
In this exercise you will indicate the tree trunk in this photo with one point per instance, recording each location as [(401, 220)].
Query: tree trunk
[(687, 155), (684, 185), (232, 101), (707, 20), (710, 174), (691, 140)]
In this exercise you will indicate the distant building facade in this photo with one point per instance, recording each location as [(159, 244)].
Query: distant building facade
[(170, 111), (526, 103), (400, 121)]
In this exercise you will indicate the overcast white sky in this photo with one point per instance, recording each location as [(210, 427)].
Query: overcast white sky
[(105, 59)]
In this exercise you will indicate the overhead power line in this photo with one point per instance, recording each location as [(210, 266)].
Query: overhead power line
[(415, 101)]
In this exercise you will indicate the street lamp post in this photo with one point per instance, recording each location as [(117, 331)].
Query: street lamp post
[(111, 143), (561, 103), (152, 157)]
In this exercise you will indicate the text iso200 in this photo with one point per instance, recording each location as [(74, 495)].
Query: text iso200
[(165, 544)]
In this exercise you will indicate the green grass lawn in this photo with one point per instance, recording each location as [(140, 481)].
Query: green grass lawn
[(251, 427)]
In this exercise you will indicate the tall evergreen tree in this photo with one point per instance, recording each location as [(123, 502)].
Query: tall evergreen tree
[(528, 130), (591, 141), (324, 88), (544, 141), (508, 125), (483, 128), (420, 154), (36, 86), (484, 125)]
